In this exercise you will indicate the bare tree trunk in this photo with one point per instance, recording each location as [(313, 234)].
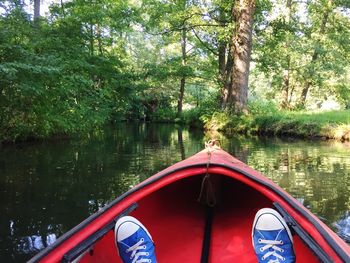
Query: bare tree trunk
[(291, 94), (181, 96), (307, 83), (225, 68), (36, 9), (285, 84), (285, 89), (228, 80), (222, 73), (241, 53), (222, 50), (303, 95), (183, 78), (222, 58), (91, 39), (225, 62), (99, 38)]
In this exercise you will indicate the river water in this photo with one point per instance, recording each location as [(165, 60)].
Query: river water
[(48, 188)]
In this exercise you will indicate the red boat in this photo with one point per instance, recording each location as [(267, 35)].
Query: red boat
[(199, 210)]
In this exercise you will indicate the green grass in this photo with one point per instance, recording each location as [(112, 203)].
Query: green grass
[(329, 125), (338, 117)]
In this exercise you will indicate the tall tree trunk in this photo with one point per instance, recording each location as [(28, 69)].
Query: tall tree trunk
[(222, 66), (307, 83), (304, 92), (91, 39), (285, 89), (243, 13), (222, 54), (285, 84), (99, 38), (291, 94), (183, 63), (224, 73), (228, 78), (36, 9)]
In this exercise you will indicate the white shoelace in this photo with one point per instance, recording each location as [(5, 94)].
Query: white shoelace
[(272, 244), (136, 254)]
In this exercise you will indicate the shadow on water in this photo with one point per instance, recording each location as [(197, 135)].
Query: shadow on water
[(48, 188)]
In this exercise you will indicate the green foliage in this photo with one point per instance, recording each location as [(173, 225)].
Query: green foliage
[(303, 52), (166, 114), (262, 107), (51, 79), (198, 116), (343, 94), (217, 121), (90, 62)]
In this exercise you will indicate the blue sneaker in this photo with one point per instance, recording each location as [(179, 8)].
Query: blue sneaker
[(272, 239), (133, 241)]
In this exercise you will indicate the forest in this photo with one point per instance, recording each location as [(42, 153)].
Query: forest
[(251, 66)]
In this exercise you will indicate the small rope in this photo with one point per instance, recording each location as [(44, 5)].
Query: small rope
[(212, 145), (210, 199)]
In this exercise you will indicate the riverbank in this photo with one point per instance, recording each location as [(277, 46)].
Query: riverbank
[(322, 125), (315, 125)]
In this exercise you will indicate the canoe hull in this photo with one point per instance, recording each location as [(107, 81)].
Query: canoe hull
[(168, 206)]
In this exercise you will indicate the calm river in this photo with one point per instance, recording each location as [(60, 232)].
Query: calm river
[(47, 188)]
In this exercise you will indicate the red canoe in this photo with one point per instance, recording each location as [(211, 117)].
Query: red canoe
[(215, 229)]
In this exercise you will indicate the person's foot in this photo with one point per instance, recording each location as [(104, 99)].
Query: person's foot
[(272, 239), (133, 241)]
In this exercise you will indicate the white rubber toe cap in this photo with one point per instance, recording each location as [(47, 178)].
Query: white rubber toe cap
[(268, 219), (127, 226)]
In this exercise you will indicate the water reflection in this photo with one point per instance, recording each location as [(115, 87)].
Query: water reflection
[(34, 243), (317, 173), (48, 188), (343, 227)]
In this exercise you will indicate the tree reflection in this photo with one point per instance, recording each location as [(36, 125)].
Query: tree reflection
[(48, 188), (181, 143)]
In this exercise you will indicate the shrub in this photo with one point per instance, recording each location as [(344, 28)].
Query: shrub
[(257, 107), (164, 115), (217, 121)]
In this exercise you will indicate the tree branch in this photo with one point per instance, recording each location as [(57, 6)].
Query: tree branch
[(204, 44)]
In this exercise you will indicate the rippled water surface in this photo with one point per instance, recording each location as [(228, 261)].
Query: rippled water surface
[(47, 188)]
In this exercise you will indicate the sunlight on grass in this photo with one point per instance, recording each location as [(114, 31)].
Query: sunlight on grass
[(340, 117), (330, 124)]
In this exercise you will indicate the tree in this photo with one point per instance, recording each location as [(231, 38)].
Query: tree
[(36, 9), (303, 52), (243, 15), (175, 25), (327, 9), (183, 62), (63, 75), (328, 52), (287, 64)]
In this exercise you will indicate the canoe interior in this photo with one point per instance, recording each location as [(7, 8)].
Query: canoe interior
[(176, 221)]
